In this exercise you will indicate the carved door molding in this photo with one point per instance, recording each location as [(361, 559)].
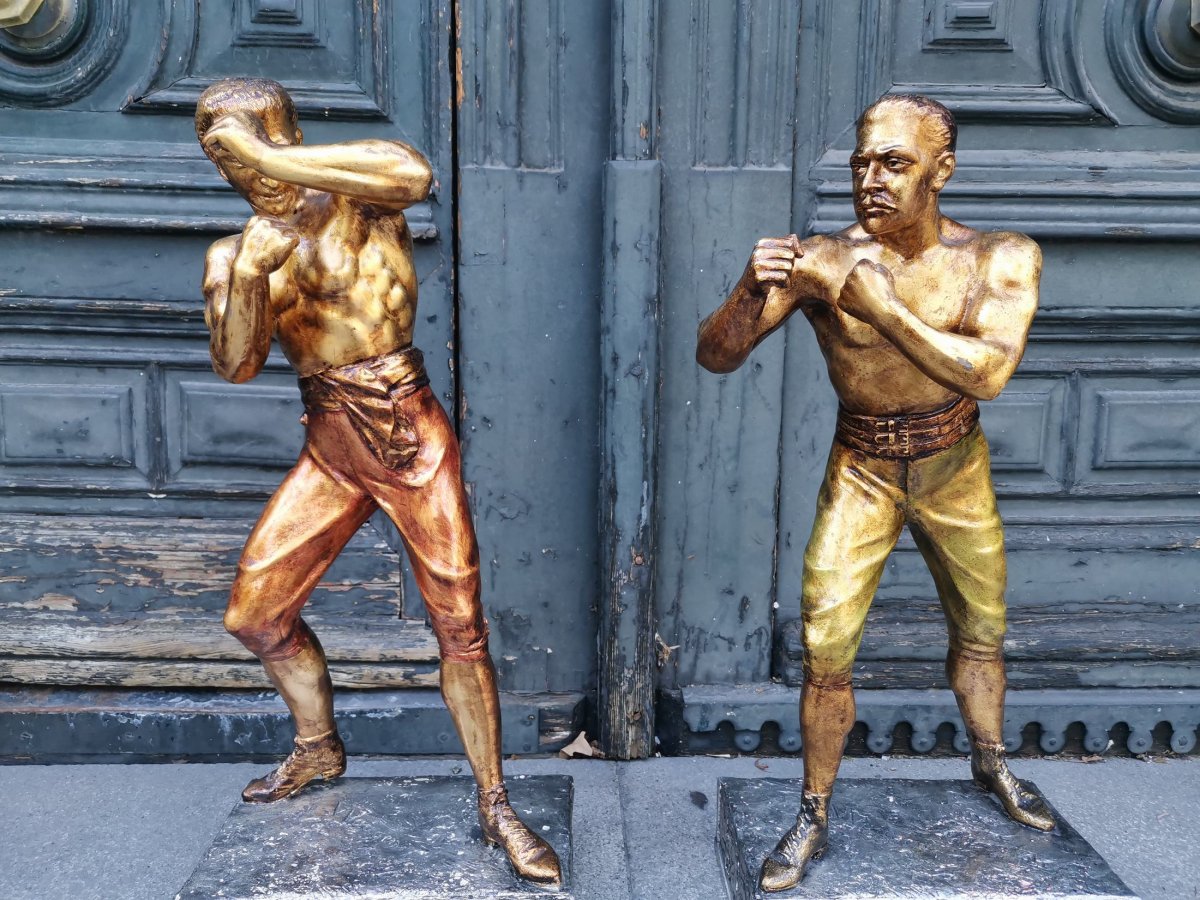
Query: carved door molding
[(129, 473)]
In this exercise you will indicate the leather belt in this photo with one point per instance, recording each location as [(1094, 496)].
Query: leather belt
[(907, 436)]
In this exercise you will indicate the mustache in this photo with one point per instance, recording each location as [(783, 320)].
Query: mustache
[(876, 200)]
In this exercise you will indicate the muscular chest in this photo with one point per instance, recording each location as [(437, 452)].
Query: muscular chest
[(937, 292), (327, 264)]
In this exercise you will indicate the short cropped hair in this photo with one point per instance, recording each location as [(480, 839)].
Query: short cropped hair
[(940, 118), (260, 96)]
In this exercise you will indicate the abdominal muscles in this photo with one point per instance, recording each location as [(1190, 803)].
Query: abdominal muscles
[(882, 381), (370, 313)]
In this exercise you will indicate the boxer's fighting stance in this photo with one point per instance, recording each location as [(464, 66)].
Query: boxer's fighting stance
[(325, 264), (918, 318)]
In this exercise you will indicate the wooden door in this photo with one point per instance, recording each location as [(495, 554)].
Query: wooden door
[(1078, 128), (129, 473)]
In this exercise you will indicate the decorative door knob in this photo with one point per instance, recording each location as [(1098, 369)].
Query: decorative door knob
[(1172, 32), (18, 12), (39, 30)]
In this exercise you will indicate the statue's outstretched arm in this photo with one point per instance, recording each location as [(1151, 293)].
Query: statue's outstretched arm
[(781, 276)]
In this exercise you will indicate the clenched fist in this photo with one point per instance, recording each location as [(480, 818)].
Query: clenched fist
[(237, 137), (867, 290), (266, 245), (771, 263)]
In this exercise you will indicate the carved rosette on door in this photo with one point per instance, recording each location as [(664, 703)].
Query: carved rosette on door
[(1155, 49), (54, 51)]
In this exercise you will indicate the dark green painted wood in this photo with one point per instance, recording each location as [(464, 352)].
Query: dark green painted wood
[(629, 359), (1095, 448), (629, 436), (725, 91), (115, 432), (531, 146), (583, 133)]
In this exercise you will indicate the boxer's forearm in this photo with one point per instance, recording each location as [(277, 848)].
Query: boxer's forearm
[(375, 171), (727, 336), (240, 327), (968, 365)]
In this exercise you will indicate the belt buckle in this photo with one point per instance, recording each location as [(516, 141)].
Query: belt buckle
[(885, 432), (889, 432)]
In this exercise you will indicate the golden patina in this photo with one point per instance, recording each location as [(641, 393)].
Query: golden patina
[(918, 317), (325, 266)]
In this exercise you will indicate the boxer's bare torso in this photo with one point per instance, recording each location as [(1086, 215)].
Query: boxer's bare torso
[(347, 291), (869, 373), (326, 263), (911, 309)]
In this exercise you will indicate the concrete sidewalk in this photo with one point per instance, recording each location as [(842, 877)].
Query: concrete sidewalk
[(642, 830)]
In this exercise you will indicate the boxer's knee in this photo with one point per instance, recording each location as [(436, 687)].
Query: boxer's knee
[(461, 629), (259, 628), (830, 645), (979, 635), (451, 589)]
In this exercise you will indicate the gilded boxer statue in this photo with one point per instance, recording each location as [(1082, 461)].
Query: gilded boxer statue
[(325, 265), (918, 317)]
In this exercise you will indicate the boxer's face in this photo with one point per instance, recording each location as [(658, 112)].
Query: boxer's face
[(266, 195), (898, 168)]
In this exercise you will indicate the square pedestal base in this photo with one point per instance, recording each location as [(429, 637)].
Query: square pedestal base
[(908, 838), (401, 838)]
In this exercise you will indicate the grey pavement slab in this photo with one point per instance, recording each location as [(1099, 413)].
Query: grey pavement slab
[(643, 830)]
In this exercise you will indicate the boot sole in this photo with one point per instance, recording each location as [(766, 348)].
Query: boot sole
[(320, 776), (987, 789), (553, 882)]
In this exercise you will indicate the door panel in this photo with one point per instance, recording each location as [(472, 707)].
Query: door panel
[(1092, 441), (726, 135), (129, 473), (531, 142), (1069, 132)]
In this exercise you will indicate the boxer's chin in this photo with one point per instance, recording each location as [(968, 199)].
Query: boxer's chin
[(878, 221), (872, 224)]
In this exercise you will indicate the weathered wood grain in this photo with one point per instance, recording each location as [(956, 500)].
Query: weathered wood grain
[(138, 602), (629, 339), (116, 566), (185, 673), (531, 117), (200, 638), (1099, 644)]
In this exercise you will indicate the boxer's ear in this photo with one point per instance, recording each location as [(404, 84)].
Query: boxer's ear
[(943, 170)]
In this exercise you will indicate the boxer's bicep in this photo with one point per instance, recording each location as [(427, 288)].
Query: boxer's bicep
[(1007, 297)]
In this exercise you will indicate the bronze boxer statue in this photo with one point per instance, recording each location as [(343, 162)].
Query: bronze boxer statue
[(326, 266), (918, 317)]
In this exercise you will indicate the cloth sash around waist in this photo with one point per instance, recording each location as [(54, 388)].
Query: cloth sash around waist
[(369, 393), (907, 436)]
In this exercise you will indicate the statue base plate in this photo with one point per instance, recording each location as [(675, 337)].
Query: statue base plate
[(358, 838), (908, 838)]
